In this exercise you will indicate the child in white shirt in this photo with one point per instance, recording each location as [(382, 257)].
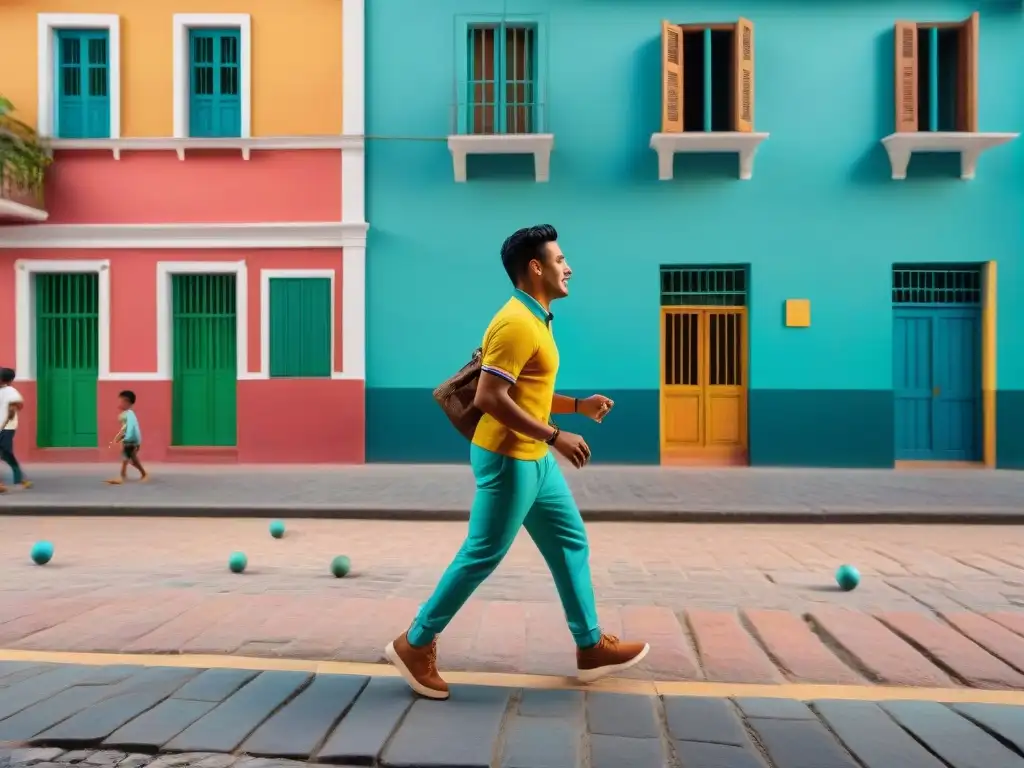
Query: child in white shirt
[(10, 405)]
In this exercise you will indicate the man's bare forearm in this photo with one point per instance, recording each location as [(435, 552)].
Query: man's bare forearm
[(563, 404)]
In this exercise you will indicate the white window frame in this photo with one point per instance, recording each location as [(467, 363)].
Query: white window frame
[(266, 276), (165, 307), (48, 24), (25, 310), (185, 23)]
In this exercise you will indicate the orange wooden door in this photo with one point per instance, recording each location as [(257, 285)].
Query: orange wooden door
[(703, 385)]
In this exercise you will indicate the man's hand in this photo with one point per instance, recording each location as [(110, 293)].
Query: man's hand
[(596, 407), (573, 447)]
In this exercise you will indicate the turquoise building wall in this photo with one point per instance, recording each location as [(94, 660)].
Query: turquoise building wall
[(821, 219)]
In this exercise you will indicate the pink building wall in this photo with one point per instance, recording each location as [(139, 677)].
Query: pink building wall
[(322, 420), (206, 187)]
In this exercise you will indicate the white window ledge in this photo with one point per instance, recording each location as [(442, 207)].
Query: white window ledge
[(182, 146), (12, 211), (537, 144), (298, 234), (667, 145), (901, 146)]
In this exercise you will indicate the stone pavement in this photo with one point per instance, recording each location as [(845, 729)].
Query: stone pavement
[(938, 605), (56, 715), (603, 492)]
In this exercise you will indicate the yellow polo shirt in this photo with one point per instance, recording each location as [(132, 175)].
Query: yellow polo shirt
[(518, 347)]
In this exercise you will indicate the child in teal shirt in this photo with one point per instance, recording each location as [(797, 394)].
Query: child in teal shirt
[(130, 438)]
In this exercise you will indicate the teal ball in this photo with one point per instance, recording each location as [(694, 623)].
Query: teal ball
[(277, 529), (42, 552), (847, 577), (237, 562), (340, 566)]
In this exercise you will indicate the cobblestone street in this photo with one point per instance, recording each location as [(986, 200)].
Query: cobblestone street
[(938, 605), (430, 491), (123, 716)]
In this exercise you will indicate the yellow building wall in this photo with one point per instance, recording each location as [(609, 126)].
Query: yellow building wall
[(296, 61)]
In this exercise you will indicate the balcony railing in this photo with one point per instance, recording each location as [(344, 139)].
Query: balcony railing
[(511, 117)]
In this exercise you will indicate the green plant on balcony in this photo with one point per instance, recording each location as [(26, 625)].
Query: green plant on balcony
[(24, 156)]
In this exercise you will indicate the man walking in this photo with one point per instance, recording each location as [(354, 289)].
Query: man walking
[(518, 481)]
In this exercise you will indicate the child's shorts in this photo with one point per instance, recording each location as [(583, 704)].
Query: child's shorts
[(129, 450)]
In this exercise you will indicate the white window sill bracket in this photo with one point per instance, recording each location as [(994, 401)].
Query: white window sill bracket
[(537, 144), (901, 146), (668, 145)]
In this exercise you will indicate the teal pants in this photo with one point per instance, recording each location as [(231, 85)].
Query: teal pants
[(511, 494)]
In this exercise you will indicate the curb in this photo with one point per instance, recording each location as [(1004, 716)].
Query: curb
[(990, 516)]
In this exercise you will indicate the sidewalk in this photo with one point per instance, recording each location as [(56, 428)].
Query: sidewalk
[(444, 492), (215, 718)]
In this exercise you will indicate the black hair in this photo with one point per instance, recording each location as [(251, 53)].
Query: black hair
[(523, 246), (128, 395), (6, 375)]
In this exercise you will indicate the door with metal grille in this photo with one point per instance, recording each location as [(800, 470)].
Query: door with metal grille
[(703, 364), (67, 359), (204, 388), (937, 363)]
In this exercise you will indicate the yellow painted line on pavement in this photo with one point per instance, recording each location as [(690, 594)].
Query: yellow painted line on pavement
[(798, 691)]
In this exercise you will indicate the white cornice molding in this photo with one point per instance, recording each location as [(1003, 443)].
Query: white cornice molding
[(185, 236), (182, 146)]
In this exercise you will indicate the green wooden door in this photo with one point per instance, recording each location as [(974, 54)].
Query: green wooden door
[(67, 359), (205, 360)]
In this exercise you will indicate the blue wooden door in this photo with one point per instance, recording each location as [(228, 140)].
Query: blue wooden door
[(957, 380), (937, 383)]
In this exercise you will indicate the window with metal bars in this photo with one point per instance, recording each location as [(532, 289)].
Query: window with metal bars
[(215, 100), (945, 285), (83, 84), (703, 286), (502, 84)]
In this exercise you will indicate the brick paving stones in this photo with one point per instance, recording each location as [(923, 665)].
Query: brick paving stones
[(348, 720), (938, 606)]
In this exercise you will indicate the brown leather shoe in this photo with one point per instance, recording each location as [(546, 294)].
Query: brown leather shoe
[(418, 666), (609, 656)]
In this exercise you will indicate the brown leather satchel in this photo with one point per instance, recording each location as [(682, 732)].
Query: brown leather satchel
[(455, 396)]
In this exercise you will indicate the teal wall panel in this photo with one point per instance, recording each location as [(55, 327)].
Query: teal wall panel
[(406, 425), (1010, 429), (821, 219), (821, 428)]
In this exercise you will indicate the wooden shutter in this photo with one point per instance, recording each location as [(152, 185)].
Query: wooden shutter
[(671, 78), (300, 327), (743, 89), (967, 88), (906, 76)]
